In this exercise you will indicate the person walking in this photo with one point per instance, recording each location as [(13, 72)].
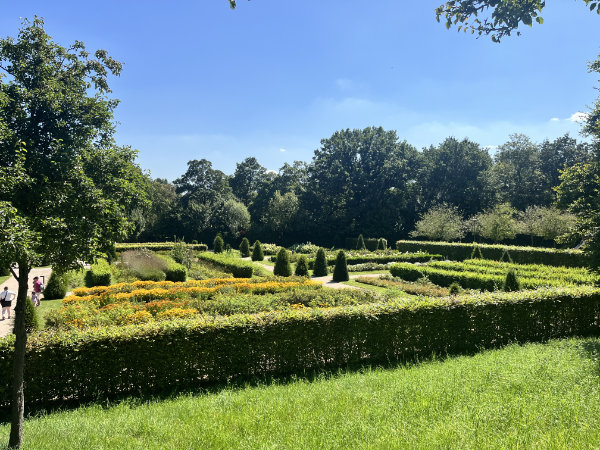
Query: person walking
[(37, 290), (6, 298)]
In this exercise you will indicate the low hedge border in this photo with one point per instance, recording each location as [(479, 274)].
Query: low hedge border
[(467, 279), (237, 267), (377, 259), (163, 357), (156, 246), (523, 255)]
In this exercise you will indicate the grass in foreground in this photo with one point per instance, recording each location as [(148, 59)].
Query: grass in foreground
[(543, 396)]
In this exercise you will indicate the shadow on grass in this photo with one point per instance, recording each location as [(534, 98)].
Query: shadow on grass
[(240, 383), (591, 349)]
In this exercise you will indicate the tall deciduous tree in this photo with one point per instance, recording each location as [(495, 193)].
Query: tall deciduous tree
[(362, 180), (441, 223), (247, 179), (66, 189), (453, 173)]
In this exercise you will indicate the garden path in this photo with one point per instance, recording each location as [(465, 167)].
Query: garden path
[(6, 326)]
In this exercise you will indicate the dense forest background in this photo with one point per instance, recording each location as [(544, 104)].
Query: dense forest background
[(359, 181)]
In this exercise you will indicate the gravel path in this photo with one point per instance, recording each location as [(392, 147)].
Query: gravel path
[(6, 326)]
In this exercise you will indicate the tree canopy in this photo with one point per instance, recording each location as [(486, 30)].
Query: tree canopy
[(66, 189)]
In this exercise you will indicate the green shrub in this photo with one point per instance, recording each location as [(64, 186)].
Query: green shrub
[(506, 256), (32, 320), (147, 359), (522, 255), (182, 254), (4, 271), (218, 244), (230, 264), (381, 244), (245, 248), (176, 272), (282, 265), (454, 288), (511, 283), (320, 264), (476, 253), (302, 267), (340, 272), (360, 243), (257, 252), (57, 286), (99, 274)]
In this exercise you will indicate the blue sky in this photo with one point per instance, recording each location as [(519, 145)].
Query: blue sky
[(274, 77)]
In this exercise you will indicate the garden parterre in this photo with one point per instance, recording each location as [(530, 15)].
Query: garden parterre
[(145, 301)]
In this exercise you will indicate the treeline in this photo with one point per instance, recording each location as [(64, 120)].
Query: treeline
[(359, 181)]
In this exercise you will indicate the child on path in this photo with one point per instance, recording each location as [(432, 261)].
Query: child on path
[(6, 300)]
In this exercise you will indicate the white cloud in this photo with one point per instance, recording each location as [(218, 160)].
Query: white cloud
[(578, 117), (555, 119), (282, 150)]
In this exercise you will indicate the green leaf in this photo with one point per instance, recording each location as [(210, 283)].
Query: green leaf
[(539, 20)]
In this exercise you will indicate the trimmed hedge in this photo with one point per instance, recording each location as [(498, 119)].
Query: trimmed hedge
[(163, 357), (99, 274), (57, 286), (522, 255), (378, 259), (156, 246), (237, 267), (370, 243)]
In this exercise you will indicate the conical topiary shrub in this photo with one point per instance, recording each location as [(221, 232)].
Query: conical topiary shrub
[(505, 256), (381, 244), (245, 248), (360, 243), (511, 283), (476, 253), (218, 244), (320, 266), (257, 252), (282, 264), (340, 272), (302, 267)]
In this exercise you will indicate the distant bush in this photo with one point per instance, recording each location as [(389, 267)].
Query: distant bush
[(158, 246), (257, 252), (282, 265), (320, 265), (382, 244), (476, 253), (511, 283), (302, 267), (360, 243), (57, 286), (340, 271), (270, 249), (182, 254), (306, 248), (99, 274), (218, 244), (245, 248), (454, 288)]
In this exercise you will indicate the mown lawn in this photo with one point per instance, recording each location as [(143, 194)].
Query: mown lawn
[(532, 396)]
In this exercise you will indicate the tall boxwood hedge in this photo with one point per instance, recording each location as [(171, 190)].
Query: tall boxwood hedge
[(99, 274), (164, 356), (522, 255)]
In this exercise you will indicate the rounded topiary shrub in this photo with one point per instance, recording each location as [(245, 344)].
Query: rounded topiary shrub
[(320, 266), (360, 243), (218, 244), (257, 252), (56, 287), (245, 248), (340, 272), (454, 288), (302, 267), (282, 264), (511, 283)]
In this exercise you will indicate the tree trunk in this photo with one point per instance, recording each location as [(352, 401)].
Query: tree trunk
[(18, 399)]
